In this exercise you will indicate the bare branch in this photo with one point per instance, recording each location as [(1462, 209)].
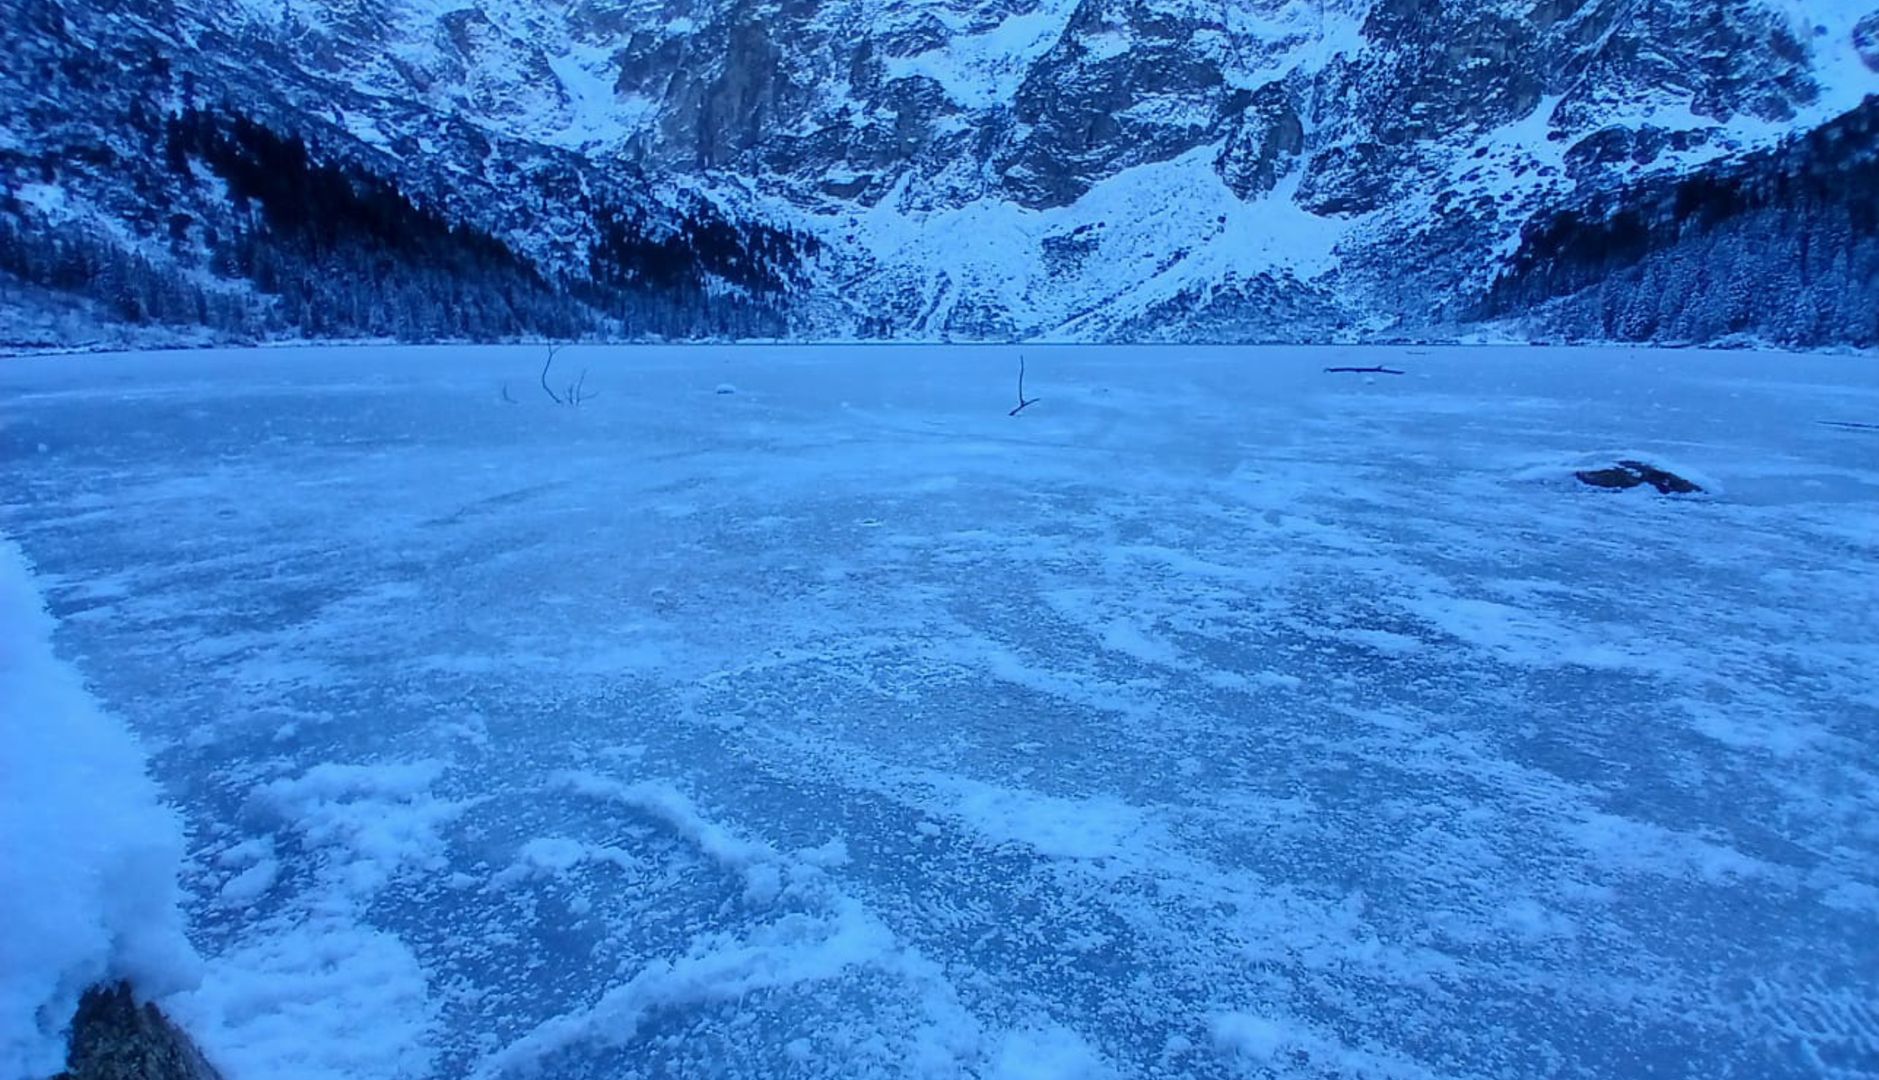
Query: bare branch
[(1849, 425), (1377, 370), (1022, 400), (546, 364)]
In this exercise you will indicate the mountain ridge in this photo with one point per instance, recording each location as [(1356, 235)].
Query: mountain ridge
[(1088, 170)]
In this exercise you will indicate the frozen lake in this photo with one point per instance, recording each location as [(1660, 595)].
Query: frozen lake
[(1216, 716)]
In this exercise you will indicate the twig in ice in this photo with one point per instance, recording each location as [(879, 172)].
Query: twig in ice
[(1377, 370), (1850, 425), (577, 390), (505, 395), (546, 364), (1022, 400)]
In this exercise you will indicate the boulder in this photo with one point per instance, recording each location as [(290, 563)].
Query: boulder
[(1630, 474), (115, 1037)]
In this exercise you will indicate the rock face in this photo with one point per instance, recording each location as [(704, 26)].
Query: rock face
[(1083, 168), (115, 1038), (1262, 144), (1866, 40)]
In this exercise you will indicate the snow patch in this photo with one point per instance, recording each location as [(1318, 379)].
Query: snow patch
[(88, 887), (758, 863), (1053, 826), (795, 949), (1047, 1052), (984, 70), (1153, 249), (1246, 1035), (323, 1000), (380, 819), (553, 856)]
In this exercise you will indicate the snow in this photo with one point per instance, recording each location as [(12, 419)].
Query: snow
[(1827, 28), (1216, 717), (258, 868), (1144, 247), (983, 69), (48, 199), (88, 885), (1049, 1052), (380, 820), (665, 803), (599, 119), (316, 998), (1252, 1036)]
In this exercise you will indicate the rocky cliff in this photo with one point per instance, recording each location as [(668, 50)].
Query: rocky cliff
[(974, 168)]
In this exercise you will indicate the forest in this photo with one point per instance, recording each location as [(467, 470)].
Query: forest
[(293, 245), (1689, 258)]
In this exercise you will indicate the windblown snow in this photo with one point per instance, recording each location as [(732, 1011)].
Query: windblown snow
[(1215, 716)]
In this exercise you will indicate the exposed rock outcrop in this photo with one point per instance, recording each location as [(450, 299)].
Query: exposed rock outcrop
[(116, 1037), (1629, 474)]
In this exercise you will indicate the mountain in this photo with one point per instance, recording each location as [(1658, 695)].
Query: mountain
[(1067, 169)]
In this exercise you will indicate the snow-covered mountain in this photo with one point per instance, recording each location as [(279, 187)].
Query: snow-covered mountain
[(1076, 169)]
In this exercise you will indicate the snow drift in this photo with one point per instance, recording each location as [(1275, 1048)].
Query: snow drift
[(88, 887)]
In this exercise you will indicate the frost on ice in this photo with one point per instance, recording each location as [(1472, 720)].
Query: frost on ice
[(1216, 718)]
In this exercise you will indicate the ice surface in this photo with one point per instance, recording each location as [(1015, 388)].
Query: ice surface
[(1215, 716)]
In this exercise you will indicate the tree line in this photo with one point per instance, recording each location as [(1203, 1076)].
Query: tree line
[(297, 245), (1782, 245)]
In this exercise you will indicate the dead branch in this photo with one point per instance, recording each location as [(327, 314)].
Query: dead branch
[(546, 364), (577, 393), (1849, 425), (573, 393), (1377, 370), (1022, 401)]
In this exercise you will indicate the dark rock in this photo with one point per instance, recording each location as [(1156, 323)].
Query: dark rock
[(1124, 85), (1866, 40), (115, 1038), (1432, 68), (1618, 144), (1356, 179), (1264, 140), (1630, 474)]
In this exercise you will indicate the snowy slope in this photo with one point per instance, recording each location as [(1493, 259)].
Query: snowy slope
[(797, 712)]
